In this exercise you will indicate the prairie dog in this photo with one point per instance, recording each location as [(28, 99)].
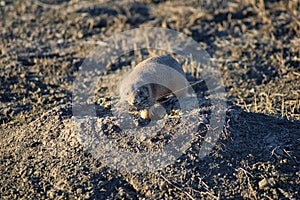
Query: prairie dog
[(153, 79)]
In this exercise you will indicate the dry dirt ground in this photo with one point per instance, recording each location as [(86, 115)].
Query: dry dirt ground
[(256, 46)]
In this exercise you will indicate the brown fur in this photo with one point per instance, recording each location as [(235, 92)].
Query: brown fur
[(156, 77)]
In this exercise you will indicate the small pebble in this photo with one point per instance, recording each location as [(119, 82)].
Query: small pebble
[(264, 184), (60, 41)]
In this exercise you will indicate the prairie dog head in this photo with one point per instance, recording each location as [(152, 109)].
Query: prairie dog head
[(136, 96)]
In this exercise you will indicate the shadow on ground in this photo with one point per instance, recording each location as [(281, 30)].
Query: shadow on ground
[(256, 156)]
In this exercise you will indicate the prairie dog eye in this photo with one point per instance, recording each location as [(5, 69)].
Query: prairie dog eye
[(143, 91), (139, 92)]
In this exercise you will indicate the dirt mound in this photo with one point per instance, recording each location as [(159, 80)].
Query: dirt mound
[(255, 44), (256, 156)]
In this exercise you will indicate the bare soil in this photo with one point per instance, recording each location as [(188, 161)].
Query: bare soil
[(256, 46)]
